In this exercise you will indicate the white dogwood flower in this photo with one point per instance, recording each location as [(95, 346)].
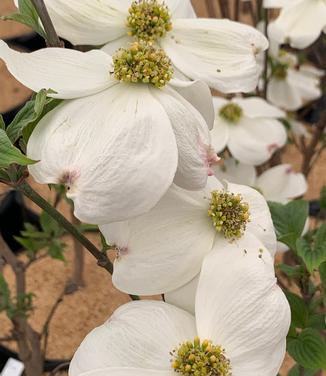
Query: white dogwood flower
[(239, 329), (129, 133), (300, 23), (220, 52), (163, 249), (280, 183), (291, 86), (249, 128)]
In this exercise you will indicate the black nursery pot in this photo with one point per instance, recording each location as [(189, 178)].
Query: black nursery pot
[(49, 364), (13, 214)]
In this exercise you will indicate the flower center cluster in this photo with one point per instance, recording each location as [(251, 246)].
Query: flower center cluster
[(200, 358), (149, 19), (141, 62), (229, 214), (231, 112), (280, 70)]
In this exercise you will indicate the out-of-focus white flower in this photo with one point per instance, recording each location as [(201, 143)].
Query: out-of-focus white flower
[(298, 129), (300, 23), (249, 128), (280, 183), (220, 52), (278, 3), (290, 87), (119, 145), (164, 248), (240, 327)]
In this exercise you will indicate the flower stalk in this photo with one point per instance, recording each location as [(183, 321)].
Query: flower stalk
[(52, 38), (101, 257)]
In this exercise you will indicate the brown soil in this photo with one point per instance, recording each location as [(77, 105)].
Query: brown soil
[(90, 306)]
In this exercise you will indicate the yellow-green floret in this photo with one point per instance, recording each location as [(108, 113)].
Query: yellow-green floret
[(200, 359), (229, 214), (231, 113), (148, 20), (280, 70), (142, 63)]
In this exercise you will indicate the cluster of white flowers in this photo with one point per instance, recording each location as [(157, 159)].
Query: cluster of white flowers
[(135, 141)]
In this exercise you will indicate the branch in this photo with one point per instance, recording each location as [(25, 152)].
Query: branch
[(310, 149), (17, 266), (77, 280), (61, 367), (250, 8), (45, 330), (237, 10), (6, 339), (101, 257), (26, 337), (224, 7), (36, 259), (52, 37)]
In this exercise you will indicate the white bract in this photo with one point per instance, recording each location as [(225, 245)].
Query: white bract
[(280, 183), (120, 144), (220, 52), (249, 128), (239, 328), (298, 129), (300, 23), (164, 248), (291, 86)]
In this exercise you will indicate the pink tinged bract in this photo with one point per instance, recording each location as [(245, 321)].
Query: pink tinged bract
[(165, 247), (119, 149)]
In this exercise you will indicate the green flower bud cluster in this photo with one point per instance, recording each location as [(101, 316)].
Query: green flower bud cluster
[(142, 63), (148, 20), (231, 113), (229, 214), (200, 359)]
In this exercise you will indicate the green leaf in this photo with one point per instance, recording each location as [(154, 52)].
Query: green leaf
[(56, 250), (4, 175), (308, 349), (25, 20), (315, 254), (322, 272), (49, 225), (299, 310), (28, 16), (9, 154), (289, 220), (2, 123), (291, 271), (295, 371), (317, 321), (30, 244), (4, 293), (30, 115)]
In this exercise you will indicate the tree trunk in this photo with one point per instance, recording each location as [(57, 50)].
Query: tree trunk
[(29, 347)]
